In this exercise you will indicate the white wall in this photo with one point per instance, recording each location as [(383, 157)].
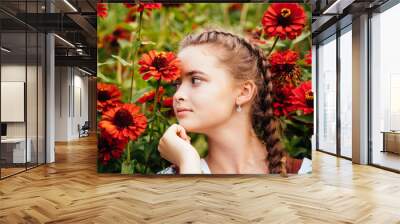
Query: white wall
[(71, 94), (33, 127)]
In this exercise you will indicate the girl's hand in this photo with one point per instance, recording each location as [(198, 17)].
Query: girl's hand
[(175, 147)]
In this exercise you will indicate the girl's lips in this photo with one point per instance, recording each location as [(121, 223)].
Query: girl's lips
[(183, 111)]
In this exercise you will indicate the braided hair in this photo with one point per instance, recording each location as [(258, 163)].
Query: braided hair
[(249, 63)]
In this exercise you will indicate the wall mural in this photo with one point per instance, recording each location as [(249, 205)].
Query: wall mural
[(204, 88)]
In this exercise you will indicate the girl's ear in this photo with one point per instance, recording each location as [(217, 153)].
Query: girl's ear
[(246, 92)]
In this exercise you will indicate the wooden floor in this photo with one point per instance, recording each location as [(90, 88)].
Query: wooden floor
[(70, 191)]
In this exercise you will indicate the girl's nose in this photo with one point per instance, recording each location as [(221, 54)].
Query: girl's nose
[(179, 95)]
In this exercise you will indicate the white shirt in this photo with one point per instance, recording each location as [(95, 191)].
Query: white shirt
[(306, 167)]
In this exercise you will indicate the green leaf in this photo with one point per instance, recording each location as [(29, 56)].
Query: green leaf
[(308, 119), (121, 60), (127, 167), (300, 38), (108, 62), (140, 93), (105, 78), (165, 109), (148, 43)]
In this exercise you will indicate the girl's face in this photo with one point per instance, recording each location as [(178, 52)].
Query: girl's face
[(205, 95)]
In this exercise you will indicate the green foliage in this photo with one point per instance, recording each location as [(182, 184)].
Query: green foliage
[(162, 30)]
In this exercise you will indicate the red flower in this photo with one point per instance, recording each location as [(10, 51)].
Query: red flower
[(308, 58), (109, 148), (149, 96), (101, 10), (149, 6), (108, 95), (130, 5), (284, 20), (162, 65), (142, 6), (302, 98), (123, 122), (119, 33), (235, 6), (281, 99), (284, 68), (131, 16), (167, 102)]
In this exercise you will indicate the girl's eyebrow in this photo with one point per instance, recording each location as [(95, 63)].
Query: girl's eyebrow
[(190, 73)]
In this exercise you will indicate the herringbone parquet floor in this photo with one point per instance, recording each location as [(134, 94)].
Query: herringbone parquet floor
[(70, 191)]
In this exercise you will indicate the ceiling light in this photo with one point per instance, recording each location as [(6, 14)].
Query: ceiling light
[(65, 41), (337, 7), (5, 49), (84, 71), (70, 5)]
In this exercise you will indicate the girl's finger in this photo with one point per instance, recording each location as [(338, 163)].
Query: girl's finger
[(181, 132)]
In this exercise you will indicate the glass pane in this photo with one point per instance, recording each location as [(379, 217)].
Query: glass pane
[(346, 94), (31, 97), (314, 85), (13, 85), (385, 89), (41, 99), (327, 96)]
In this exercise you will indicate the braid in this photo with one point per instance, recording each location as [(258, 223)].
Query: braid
[(269, 125), (263, 121)]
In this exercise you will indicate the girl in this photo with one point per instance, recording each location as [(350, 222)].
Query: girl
[(225, 93)]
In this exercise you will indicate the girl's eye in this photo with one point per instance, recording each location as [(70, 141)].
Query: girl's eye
[(176, 84), (196, 81)]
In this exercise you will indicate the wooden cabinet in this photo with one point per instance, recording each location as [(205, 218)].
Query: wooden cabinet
[(391, 142)]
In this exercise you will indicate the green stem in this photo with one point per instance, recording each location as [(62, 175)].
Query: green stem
[(243, 15), (273, 46), (128, 150), (134, 54), (155, 108)]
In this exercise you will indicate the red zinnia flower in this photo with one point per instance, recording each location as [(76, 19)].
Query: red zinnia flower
[(302, 98), (235, 6), (308, 58), (149, 96), (167, 102), (283, 66), (281, 99), (131, 16), (149, 6), (108, 95), (109, 148), (119, 33), (142, 6), (284, 20), (101, 10), (130, 5), (123, 122), (162, 65)]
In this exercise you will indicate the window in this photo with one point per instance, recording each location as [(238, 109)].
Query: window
[(346, 92), (385, 89), (327, 95)]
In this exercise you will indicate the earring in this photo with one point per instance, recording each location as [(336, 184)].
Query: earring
[(239, 108)]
